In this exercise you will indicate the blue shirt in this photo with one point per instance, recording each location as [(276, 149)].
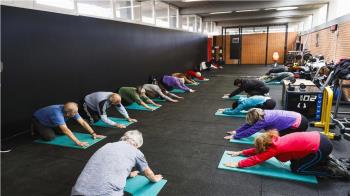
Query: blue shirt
[(246, 104), (52, 116)]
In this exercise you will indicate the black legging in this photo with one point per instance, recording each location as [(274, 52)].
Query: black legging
[(261, 91), (44, 132), (311, 164), (304, 124)]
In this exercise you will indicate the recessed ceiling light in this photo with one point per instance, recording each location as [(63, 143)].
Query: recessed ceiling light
[(286, 8), (221, 12), (247, 10)]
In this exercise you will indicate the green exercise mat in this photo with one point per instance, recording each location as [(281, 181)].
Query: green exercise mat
[(247, 140), (159, 99), (236, 97), (272, 168), (63, 140), (217, 113), (121, 121), (141, 186), (194, 84), (273, 83), (175, 90), (135, 106)]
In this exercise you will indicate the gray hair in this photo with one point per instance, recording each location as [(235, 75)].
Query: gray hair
[(254, 115), (133, 137)]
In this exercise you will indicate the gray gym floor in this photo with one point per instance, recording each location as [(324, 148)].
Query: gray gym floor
[(182, 141)]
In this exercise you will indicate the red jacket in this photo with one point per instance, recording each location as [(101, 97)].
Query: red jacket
[(193, 75), (289, 147)]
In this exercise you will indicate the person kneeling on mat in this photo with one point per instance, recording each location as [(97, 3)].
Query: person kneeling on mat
[(109, 167), (131, 94), (251, 87), (171, 82), (192, 74), (48, 120), (187, 79), (246, 103), (277, 77), (96, 105), (154, 91), (257, 119), (308, 153)]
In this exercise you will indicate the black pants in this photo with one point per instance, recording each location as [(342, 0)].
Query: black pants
[(91, 114), (260, 91), (312, 163), (304, 124), (44, 132)]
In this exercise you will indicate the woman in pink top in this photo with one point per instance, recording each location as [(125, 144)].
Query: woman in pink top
[(307, 151)]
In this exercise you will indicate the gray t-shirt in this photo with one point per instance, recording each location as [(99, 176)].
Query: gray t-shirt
[(107, 170)]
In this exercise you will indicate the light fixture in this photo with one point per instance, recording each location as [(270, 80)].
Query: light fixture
[(226, 12), (190, 0), (286, 8), (239, 11), (272, 8)]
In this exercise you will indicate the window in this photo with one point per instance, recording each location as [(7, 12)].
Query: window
[(162, 10), (102, 8), (127, 9), (147, 13), (191, 23), (198, 24), (173, 13), (205, 27), (64, 4), (184, 22)]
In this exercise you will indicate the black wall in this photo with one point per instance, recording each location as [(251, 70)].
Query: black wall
[(52, 58)]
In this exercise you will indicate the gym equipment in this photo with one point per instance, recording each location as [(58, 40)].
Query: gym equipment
[(120, 121), (141, 186), (242, 115), (247, 140), (135, 106), (326, 114), (302, 96), (159, 99), (63, 140), (175, 90), (272, 168)]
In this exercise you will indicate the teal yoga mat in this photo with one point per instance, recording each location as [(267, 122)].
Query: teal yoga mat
[(135, 106), (236, 97), (247, 140), (217, 113), (195, 84), (141, 186), (273, 83), (158, 99), (205, 80), (175, 90), (272, 168), (63, 140), (120, 121)]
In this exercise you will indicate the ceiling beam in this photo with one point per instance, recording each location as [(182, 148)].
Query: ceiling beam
[(259, 22), (225, 6), (259, 15)]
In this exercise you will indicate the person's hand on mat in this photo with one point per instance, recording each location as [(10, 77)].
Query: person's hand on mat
[(228, 137), (233, 132), (132, 120), (234, 153), (120, 126), (192, 91), (152, 109), (134, 174), (157, 178), (225, 96), (174, 101), (95, 136), (231, 164), (221, 110), (158, 105), (82, 144), (181, 97)]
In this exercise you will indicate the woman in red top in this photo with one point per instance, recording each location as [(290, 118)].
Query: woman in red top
[(307, 151), (192, 74)]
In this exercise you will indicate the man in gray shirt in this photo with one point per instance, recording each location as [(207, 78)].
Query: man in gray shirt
[(96, 105), (107, 170)]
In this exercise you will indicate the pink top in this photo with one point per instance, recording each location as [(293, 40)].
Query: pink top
[(289, 147)]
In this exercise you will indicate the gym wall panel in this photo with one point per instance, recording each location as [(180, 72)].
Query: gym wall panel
[(276, 44), (333, 45), (253, 48), (52, 58)]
